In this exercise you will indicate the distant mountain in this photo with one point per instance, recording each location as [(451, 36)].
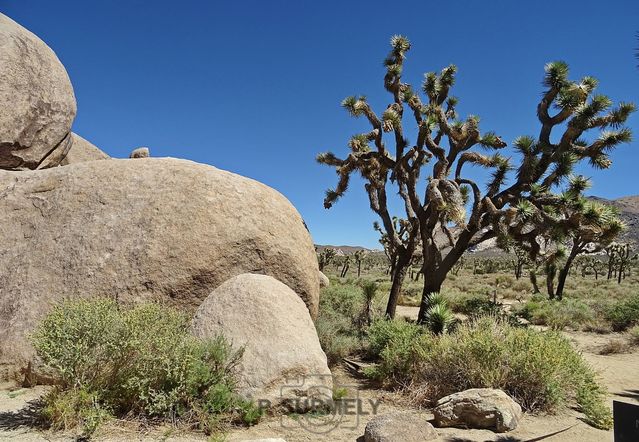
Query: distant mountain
[(345, 250), (628, 207)]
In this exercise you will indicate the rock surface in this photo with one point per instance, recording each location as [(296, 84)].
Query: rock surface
[(172, 230), (81, 151), (323, 280), (404, 426), (281, 347), (140, 152), (38, 104), (483, 408)]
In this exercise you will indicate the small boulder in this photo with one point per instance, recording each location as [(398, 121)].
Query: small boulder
[(82, 151), (399, 427), (481, 408), (140, 152), (282, 358), (38, 104), (323, 280)]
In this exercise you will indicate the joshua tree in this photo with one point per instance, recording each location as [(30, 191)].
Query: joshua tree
[(325, 257), (619, 257), (573, 221), (595, 226), (359, 257), (590, 263), (346, 266), (447, 144), (521, 258)]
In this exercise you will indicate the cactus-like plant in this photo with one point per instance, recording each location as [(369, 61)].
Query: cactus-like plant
[(449, 145), (325, 257)]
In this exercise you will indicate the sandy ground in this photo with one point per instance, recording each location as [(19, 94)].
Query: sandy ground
[(619, 373)]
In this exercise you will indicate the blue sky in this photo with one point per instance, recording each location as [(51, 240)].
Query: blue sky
[(254, 86)]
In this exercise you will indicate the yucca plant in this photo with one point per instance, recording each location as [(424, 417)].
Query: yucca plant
[(514, 198), (369, 289), (439, 317)]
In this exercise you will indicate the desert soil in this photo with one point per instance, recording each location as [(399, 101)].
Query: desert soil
[(619, 373)]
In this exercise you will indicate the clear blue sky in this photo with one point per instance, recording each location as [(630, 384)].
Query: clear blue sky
[(254, 86)]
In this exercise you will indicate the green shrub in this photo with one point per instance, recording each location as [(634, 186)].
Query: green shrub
[(138, 362), (382, 332), (392, 341), (624, 314), (634, 335), (557, 315), (540, 370), (339, 323)]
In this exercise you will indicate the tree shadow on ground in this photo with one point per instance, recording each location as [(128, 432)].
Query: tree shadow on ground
[(30, 416)]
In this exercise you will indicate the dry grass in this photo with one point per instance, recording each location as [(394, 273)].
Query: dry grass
[(615, 347)]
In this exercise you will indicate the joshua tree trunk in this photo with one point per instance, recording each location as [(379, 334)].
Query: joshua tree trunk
[(533, 281), (563, 273), (399, 274), (433, 280)]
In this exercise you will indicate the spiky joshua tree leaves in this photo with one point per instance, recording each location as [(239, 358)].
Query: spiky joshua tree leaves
[(448, 145)]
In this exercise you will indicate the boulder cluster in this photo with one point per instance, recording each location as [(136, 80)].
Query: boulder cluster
[(75, 223)]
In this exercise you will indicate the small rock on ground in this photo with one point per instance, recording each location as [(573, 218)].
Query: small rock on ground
[(399, 427)]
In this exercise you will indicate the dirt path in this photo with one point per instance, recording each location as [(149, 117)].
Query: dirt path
[(619, 373)]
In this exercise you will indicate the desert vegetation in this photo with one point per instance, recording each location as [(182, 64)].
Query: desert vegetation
[(530, 206), (486, 328), (479, 322), (138, 363)]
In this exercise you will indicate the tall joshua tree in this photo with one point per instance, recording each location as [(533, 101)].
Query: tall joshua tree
[(448, 145)]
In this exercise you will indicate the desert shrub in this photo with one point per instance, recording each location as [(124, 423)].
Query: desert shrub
[(522, 286), (392, 342), (540, 370), (463, 302), (477, 306), (624, 314), (339, 326), (136, 362), (384, 332), (557, 315), (410, 295), (614, 347), (634, 335)]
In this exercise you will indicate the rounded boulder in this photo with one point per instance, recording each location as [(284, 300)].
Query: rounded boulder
[(38, 104), (282, 358)]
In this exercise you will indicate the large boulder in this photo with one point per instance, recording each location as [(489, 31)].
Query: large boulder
[(81, 151), (482, 408), (282, 358), (402, 426), (38, 104), (149, 229)]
